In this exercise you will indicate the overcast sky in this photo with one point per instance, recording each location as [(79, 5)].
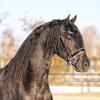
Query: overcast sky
[(88, 11)]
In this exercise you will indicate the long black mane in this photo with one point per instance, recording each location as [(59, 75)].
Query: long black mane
[(16, 68)]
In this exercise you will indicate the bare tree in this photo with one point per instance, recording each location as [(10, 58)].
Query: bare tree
[(89, 35), (3, 16), (28, 24), (8, 45)]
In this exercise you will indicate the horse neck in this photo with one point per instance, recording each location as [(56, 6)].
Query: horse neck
[(37, 64), (38, 69), (41, 57)]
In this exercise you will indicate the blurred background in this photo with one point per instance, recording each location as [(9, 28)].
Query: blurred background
[(19, 17)]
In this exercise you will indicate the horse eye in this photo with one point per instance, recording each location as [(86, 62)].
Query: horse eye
[(71, 33)]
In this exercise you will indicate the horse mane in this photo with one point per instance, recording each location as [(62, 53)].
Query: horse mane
[(52, 38), (16, 68)]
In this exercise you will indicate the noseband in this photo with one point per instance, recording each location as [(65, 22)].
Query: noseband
[(71, 56)]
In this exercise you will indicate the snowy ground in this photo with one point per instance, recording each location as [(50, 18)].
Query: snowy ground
[(75, 93), (69, 89), (66, 97)]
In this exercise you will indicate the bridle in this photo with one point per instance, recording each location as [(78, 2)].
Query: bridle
[(70, 58)]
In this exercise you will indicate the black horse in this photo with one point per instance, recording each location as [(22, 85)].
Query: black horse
[(25, 77)]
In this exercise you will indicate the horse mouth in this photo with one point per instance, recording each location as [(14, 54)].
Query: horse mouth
[(77, 69), (80, 69)]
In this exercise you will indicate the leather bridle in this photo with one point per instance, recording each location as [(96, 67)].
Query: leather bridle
[(70, 57)]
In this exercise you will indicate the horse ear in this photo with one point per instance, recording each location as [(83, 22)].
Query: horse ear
[(65, 21), (73, 19)]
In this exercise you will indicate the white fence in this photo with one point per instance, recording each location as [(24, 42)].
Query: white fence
[(75, 82)]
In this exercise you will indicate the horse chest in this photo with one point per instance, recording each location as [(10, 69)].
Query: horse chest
[(38, 93)]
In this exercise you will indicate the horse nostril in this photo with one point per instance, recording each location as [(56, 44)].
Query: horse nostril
[(86, 65)]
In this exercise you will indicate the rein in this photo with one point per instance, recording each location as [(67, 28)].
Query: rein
[(71, 56)]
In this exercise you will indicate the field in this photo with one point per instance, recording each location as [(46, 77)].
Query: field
[(76, 96)]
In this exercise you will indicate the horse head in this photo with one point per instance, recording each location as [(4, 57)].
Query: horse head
[(70, 45)]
